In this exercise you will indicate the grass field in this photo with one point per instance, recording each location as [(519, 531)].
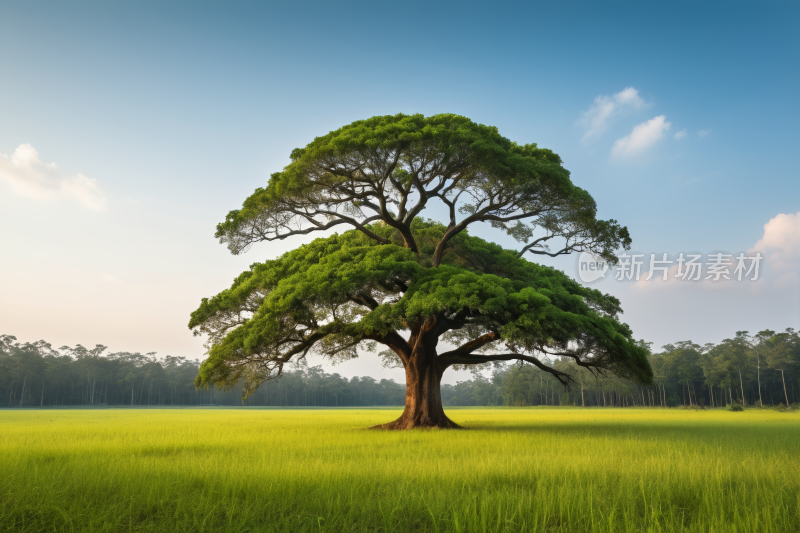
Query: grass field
[(316, 470)]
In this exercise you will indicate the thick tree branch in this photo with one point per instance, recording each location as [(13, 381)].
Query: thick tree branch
[(469, 347), (395, 342), (365, 300), (472, 359), (594, 367)]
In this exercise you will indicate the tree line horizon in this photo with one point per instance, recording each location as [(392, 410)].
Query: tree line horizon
[(685, 374)]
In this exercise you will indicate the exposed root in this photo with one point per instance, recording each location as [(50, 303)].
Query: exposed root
[(414, 423)]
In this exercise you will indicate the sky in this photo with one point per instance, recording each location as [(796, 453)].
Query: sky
[(129, 129)]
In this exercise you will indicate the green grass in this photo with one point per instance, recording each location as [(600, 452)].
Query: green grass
[(316, 470)]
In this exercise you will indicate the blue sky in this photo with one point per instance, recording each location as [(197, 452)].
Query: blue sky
[(161, 118)]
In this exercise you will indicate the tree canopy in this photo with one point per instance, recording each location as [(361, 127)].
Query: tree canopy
[(390, 168), (405, 282)]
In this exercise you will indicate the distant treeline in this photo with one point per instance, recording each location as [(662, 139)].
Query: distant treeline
[(742, 370), (760, 370), (36, 374)]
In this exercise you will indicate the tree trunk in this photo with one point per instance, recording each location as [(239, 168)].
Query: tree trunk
[(423, 395), (784, 390), (758, 368), (22, 396), (741, 384)]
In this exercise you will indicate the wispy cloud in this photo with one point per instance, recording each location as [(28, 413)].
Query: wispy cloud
[(604, 108), (703, 133), (681, 134), (642, 137), (32, 178)]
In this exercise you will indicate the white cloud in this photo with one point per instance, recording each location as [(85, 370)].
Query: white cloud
[(32, 178), (596, 118), (681, 134), (642, 137), (703, 133), (779, 268), (781, 242), (705, 311)]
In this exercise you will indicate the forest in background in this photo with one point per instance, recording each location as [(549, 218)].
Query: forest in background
[(745, 370)]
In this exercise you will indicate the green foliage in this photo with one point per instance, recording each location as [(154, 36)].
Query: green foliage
[(354, 174), (310, 299)]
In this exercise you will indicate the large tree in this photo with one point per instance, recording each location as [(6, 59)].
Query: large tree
[(404, 282)]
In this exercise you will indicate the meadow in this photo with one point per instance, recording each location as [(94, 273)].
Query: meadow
[(536, 469)]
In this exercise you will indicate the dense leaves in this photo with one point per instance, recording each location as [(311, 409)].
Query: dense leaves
[(345, 291), (390, 168)]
